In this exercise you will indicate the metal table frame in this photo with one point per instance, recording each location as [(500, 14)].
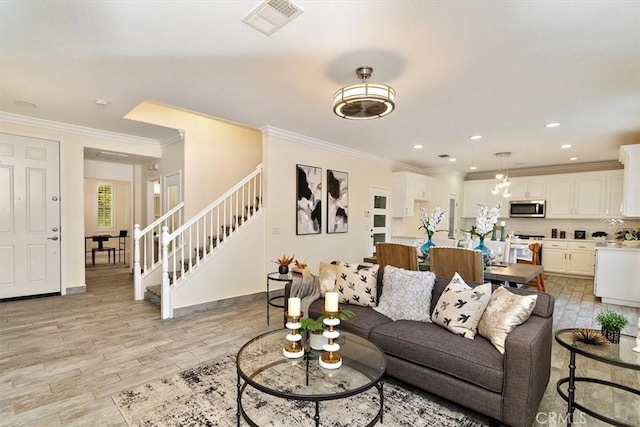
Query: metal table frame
[(277, 277)]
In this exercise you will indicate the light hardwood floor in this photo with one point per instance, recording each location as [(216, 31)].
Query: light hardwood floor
[(62, 358)]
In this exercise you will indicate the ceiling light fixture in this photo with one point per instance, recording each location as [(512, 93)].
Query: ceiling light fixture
[(25, 104), (452, 159), (475, 137), (565, 146), (552, 125), (502, 178), (102, 102), (473, 168), (365, 100), (418, 146), (573, 158)]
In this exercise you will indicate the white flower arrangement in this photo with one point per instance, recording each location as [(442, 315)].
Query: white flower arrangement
[(486, 220), (431, 223)]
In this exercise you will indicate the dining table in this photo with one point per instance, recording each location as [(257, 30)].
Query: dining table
[(511, 273)]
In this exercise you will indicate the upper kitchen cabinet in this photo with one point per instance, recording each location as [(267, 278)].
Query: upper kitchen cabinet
[(580, 195), (527, 189), (630, 158), (476, 192), (407, 188), (613, 194)]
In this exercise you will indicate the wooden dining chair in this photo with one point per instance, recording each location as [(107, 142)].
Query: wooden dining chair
[(446, 261), (397, 255), (538, 281)]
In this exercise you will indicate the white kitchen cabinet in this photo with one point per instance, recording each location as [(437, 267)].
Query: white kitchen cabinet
[(407, 187), (568, 257), (613, 195), (527, 189), (575, 196), (630, 158), (617, 272), (477, 192)]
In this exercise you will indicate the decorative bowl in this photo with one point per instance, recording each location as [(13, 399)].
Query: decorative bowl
[(631, 243)]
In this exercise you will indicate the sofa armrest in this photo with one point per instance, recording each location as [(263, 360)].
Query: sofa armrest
[(527, 370)]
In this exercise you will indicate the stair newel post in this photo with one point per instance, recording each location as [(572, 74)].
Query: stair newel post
[(166, 293), (138, 294)]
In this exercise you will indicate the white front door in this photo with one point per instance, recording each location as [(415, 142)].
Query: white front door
[(29, 216), (379, 216)]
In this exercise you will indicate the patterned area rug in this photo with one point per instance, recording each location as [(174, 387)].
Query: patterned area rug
[(205, 395)]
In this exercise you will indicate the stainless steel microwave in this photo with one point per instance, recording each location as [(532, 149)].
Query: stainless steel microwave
[(527, 209)]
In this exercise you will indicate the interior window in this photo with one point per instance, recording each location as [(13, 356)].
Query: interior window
[(105, 206)]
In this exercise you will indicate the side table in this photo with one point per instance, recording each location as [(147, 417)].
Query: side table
[(620, 355), (277, 277)]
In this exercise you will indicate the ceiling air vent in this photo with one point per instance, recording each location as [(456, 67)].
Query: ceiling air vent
[(271, 15), (108, 155)]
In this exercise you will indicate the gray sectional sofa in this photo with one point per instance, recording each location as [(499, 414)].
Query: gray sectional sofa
[(507, 388)]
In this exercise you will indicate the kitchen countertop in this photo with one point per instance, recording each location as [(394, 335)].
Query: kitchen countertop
[(620, 248)]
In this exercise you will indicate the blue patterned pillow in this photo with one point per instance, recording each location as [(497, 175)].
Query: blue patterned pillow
[(357, 284)]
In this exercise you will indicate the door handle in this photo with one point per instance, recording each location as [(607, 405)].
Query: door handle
[(52, 238)]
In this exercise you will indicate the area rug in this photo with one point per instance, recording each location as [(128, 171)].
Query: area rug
[(205, 395)]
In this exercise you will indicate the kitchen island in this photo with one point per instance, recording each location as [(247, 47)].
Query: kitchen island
[(617, 279)]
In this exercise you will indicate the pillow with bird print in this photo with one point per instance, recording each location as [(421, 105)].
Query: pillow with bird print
[(460, 307), (357, 284)]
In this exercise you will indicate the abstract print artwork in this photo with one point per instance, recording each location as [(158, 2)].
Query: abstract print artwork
[(308, 199), (337, 201)]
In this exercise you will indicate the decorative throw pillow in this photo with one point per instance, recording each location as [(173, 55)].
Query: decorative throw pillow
[(327, 277), (406, 295), (357, 284), (460, 307), (505, 311)]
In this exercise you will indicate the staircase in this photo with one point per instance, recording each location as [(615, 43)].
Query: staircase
[(186, 247)]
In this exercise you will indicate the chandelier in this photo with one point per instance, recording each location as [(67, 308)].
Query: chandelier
[(364, 101), (502, 177)]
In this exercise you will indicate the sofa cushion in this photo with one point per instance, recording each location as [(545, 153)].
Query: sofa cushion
[(327, 275), (357, 285), (460, 307), (475, 361), (505, 311), (406, 294), (361, 324)]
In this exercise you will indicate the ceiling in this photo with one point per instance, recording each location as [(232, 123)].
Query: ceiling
[(500, 69)]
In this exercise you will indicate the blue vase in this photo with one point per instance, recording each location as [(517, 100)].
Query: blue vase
[(425, 248), (486, 252)]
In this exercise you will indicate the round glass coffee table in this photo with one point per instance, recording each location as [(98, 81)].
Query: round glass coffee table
[(620, 355), (261, 365)]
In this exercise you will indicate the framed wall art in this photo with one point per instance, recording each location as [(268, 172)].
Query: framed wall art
[(308, 200), (337, 201)]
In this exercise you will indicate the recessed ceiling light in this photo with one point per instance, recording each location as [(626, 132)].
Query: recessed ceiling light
[(418, 146), (565, 146), (475, 137), (102, 102), (573, 158), (473, 168), (452, 159), (552, 125), (24, 104)]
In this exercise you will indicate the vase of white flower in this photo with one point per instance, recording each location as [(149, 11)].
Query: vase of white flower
[(430, 224), (486, 220)]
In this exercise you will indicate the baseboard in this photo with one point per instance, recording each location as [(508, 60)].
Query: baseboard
[(212, 305), (76, 290)]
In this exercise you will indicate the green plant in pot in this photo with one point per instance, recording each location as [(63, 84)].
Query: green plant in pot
[(315, 327), (611, 323)]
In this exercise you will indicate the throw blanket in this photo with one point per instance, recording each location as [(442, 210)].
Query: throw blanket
[(307, 288)]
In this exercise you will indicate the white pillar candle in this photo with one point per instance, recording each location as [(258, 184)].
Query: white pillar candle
[(503, 223), (294, 307), (331, 302)]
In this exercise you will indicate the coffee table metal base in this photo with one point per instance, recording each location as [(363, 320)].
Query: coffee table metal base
[(241, 414)]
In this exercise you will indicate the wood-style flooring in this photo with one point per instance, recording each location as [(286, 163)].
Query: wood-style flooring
[(62, 358)]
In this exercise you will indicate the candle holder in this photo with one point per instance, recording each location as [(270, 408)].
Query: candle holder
[(330, 358), (293, 349), (502, 231)]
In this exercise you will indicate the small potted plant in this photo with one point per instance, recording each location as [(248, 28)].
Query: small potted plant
[(611, 323), (315, 327), (283, 263)]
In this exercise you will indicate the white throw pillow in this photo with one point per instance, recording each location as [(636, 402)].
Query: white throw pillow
[(505, 311), (357, 284), (460, 307), (406, 295)]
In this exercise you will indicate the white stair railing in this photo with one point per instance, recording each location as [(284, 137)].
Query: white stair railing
[(198, 239), (147, 248)]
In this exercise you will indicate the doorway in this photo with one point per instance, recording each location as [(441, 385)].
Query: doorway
[(453, 217), (172, 196), (378, 216), (29, 216)]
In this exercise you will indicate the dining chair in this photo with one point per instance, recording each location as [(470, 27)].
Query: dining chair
[(397, 255), (538, 281), (122, 244), (445, 262)]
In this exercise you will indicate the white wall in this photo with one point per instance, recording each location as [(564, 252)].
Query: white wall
[(283, 150), (107, 170)]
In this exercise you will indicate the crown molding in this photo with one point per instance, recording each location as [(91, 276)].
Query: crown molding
[(78, 130), (271, 131), (172, 138), (550, 170)]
